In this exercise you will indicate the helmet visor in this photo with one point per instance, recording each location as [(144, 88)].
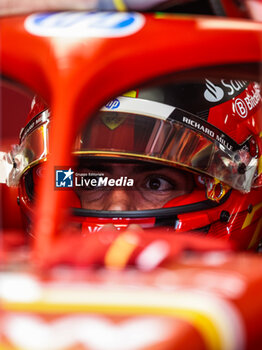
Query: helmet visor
[(141, 129)]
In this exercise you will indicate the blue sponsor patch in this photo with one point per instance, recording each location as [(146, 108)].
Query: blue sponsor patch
[(84, 24), (114, 104)]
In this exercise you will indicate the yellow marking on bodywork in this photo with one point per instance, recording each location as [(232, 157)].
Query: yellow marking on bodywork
[(120, 251), (250, 216), (260, 165), (199, 320), (256, 234)]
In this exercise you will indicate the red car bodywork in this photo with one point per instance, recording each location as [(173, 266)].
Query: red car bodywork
[(204, 300)]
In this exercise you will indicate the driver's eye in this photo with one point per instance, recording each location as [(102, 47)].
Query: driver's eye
[(157, 183)]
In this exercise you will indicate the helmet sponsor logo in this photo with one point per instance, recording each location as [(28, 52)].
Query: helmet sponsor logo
[(84, 24), (37, 121), (114, 104), (248, 102), (214, 134), (227, 89), (205, 128), (241, 108), (113, 120), (213, 93), (234, 86)]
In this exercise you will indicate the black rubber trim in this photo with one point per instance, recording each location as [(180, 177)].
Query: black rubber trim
[(166, 222), (217, 7)]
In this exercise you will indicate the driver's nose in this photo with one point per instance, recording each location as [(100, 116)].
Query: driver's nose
[(118, 199)]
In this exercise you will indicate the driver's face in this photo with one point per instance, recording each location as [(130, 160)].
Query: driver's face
[(154, 185)]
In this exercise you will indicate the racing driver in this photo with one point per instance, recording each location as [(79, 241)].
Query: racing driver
[(185, 156)]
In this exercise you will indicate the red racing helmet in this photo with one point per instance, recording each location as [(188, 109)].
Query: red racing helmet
[(207, 131)]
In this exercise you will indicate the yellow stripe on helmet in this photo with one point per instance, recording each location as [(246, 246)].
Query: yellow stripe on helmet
[(120, 5)]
